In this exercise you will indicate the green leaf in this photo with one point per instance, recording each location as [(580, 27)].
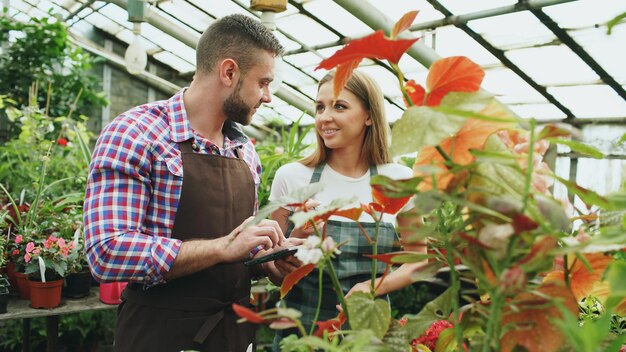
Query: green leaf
[(369, 314), (446, 341), (396, 188), (588, 196), (396, 338), (299, 195), (622, 139), (300, 218), (578, 147), (422, 126), (425, 202), (615, 277), (439, 309)]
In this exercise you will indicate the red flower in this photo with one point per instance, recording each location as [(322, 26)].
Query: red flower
[(62, 142), (253, 140), (430, 336)]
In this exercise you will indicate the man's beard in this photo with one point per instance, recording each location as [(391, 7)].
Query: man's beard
[(235, 108)]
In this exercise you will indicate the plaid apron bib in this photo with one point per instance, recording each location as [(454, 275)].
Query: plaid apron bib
[(351, 265)]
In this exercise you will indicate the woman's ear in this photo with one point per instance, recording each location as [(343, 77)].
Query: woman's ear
[(369, 121)]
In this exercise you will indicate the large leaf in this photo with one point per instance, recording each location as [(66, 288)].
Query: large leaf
[(369, 314), (400, 257), (532, 326), (585, 275), (438, 309), (403, 24), (588, 196), (323, 213), (422, 126), (452, 74), (293, 277), (396, 339), (393, 194), (247, 314)]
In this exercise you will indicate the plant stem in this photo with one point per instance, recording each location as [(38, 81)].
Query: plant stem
[(400, 76), (529, 171), (443, 154), (566, 270), (493, 323), (338, 289), (454, 278), (319, 301), (374, 261)]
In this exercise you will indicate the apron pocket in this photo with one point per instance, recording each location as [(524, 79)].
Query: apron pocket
[(182, 332)]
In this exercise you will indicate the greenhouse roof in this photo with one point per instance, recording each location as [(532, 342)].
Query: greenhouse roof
[(547, 59)]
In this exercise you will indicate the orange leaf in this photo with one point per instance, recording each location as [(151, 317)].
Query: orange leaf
[(452, 74), (293, 277), (352, 213), (582, 281), (387, 258), (416, 93), (390, 205), (403, 23), (247, 314), (373, 46), (534, 329), (472, 135)]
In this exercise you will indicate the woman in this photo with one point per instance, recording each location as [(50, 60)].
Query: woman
[(351, 147)]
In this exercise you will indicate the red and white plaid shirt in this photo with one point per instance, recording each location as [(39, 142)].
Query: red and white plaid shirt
[(134, 186)]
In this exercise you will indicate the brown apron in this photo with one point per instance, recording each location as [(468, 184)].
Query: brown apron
[(195, 312)]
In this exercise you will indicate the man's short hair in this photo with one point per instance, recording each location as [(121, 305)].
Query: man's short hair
[(233, 37)]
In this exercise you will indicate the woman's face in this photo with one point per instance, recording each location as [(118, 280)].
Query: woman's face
[(342, 124)]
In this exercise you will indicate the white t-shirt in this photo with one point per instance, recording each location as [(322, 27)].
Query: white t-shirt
[(292, 176)]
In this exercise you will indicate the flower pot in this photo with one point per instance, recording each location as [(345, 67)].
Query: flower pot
[(11, 270), (77, 285), (110, 292), (4, 302), (22, 285), (45, 294)]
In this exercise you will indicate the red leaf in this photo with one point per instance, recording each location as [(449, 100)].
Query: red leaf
[(390, 205), (539, 250), (452, 74), (403, 23), (522, 223), (373, 46), (533, 317), (473, 241), (330, 325), (373, 209), (352, 213), (416, 93), (387, 258), (293, 277), (247, 314), (343, 74)]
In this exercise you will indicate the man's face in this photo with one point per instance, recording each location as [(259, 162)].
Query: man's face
[(251, 90)]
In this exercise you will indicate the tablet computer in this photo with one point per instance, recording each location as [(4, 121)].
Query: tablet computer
[(272, 256)]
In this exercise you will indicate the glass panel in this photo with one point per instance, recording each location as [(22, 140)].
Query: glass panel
[(335, 16), (591, 101), (409, 65), (183, 11), (387, 81), (605, 138), (315, 33), (504, 31), (221, 8), (174, 61), (286, 42), (451, 41), (393, 112), (104, 23), (117, 14), (552, 65), (584, 13), (601, 46), (303, 59), (394, 9), (601, 176), (294, 76), (509, 87), (538, 111), (168, 43)]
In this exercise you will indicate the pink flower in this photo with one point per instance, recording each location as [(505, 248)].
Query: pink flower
[(29, 247), (27, 257), (15, 252), (19, 239), (61, 242), (37, 250), (65, 251)]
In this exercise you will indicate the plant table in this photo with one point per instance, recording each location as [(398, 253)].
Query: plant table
[(20, 309)]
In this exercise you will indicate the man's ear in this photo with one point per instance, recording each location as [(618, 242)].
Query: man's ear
[(228, 72)]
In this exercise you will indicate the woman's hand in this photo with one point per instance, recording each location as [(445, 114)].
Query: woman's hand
[(364, 286), (306, 230)]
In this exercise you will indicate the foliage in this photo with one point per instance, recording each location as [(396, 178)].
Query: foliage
[(289, 147), (483, 190), (49, 259), (40, 54)]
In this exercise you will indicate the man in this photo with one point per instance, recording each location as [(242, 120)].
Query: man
[(170, 186)]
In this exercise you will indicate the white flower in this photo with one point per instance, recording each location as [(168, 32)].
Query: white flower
[(309, 256), (312, 242), (496, 237), (329, 246)]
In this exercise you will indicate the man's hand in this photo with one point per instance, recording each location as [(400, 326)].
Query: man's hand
[(239, 243), (278, 269)]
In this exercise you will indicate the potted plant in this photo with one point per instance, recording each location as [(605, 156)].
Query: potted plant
[(4, 282), (78, 280), (46, 266)]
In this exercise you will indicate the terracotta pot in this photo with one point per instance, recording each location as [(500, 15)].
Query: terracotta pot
[(22, 285), (110, 292), (45, 294), (11, 270), (77, 285)]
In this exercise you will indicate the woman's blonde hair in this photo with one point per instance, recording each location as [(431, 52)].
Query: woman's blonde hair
[(375, 144)]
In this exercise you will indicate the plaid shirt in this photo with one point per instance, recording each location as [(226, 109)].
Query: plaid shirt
[(134, 186)]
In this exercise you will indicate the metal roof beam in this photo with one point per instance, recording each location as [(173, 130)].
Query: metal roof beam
[(463, 19), (505, 60), (566, 39)]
